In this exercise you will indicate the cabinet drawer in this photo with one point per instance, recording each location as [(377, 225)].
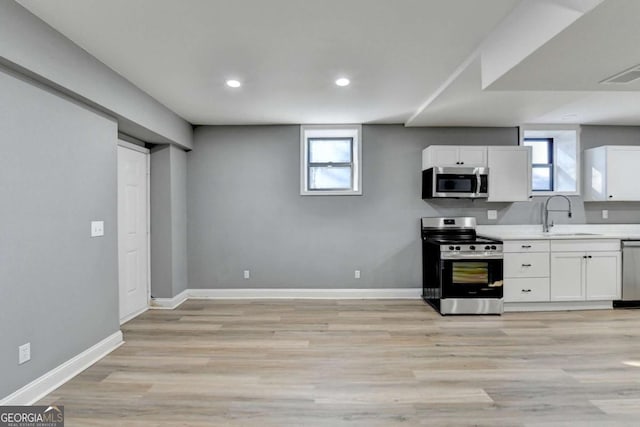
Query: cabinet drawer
[(526, 290), (526, 265), (526, 246), (585, 245)]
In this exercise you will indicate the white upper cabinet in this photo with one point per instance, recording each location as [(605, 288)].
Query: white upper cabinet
[(454, 155), (609, 172), (509, 173)]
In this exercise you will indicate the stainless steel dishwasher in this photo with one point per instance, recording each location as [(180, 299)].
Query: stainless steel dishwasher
[(630, 274)]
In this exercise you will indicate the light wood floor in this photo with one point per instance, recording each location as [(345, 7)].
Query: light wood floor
[(364, 363)]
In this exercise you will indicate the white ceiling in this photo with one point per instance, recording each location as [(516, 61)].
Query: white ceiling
[(418, 62)]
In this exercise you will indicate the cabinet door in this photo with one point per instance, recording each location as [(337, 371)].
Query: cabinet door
[(473, 156), (445, 156), (622, 164), (567, 276), (603, 276), (509, 174)]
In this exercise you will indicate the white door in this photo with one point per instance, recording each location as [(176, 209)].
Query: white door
[(133, 237), (445, 156), (509, 174), (603, 276), (621, 164), (567, 276), (473, 156)]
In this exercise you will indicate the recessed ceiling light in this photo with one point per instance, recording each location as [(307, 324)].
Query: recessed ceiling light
[(343, 81), (233, 83)]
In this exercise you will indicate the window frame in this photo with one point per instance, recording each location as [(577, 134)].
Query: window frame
[(311, 164), (331, 132), (549, 165), (551, 128)]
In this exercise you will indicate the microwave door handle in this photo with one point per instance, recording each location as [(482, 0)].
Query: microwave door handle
[(478, 184)]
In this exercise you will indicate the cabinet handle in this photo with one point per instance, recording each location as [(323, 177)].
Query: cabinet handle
[(585, 257), (589, 256), (462, 163), (526, 246), (526, 265), (457, 163), (526, 291), (611, 196)]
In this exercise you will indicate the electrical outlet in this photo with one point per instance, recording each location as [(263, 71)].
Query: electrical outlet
[(247, 274), (492, 214), (605, 214), (24, 353), (356, 274), (97, 228)]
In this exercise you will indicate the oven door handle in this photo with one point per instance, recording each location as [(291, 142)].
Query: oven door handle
[(469, 256)]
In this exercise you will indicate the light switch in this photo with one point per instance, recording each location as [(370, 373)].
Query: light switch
[(97, 228), (492, 214)]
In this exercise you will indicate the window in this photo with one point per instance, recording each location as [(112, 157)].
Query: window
[(541, 163), (555, 165), (330, 160)]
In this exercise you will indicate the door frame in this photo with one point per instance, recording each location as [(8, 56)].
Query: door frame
[(147, 153)]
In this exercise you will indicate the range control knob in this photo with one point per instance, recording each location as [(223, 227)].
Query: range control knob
[(493, 247), (451, 248), (457, 248), (486, 248), (472, 248)]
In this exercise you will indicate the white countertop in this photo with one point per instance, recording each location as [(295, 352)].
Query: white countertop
[(561, 231)]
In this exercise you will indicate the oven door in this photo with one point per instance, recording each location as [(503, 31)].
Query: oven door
[(470, 276)]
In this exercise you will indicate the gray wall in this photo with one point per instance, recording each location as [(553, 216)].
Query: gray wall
[(30, 44), (245, 210), (179, 219), (58, 286), (168, 221)]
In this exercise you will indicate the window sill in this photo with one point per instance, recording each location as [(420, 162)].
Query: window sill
[(554, 193), (332, 193)]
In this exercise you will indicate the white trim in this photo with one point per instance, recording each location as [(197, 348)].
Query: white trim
[(169, 303), (400, 293), (134, 147), (557, 306), (40, 387), (552, 128), (148, 231), (354, 131), (133, 315)]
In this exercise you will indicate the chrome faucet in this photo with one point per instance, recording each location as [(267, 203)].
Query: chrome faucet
[(545, 219)]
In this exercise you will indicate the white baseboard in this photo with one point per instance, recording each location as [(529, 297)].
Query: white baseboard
[(169, 303), (133, 315), (40, 387), (557, 306), (399, 293)]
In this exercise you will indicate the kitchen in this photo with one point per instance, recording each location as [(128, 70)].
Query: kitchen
[(244, 213)]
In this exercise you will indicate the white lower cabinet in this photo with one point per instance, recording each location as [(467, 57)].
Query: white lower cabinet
[(526, 271), (603, 276), (567, 276), (586, 276), (556, 271)]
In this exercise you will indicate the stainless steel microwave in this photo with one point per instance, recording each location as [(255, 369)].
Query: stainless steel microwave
[(455, 182)]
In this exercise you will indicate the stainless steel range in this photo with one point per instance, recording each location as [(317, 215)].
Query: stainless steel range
[(461, 272)]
